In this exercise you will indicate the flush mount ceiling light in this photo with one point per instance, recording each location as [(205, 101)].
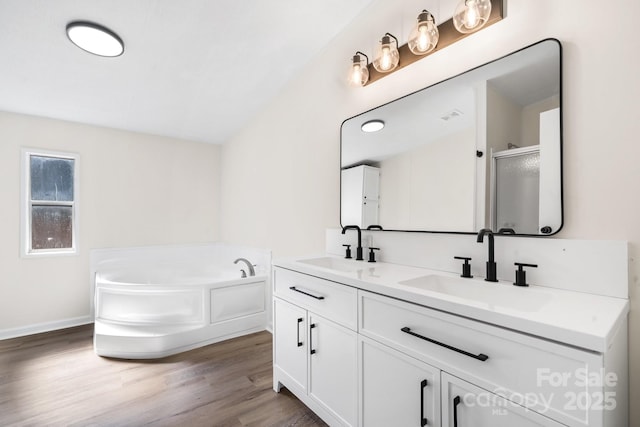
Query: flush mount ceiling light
[(424, 36), (359, 71), (471, 15), (95, 38), (387, 56), (372, 126)]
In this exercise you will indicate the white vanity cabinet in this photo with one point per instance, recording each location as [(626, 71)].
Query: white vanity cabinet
[(359, 351), (315, 344)]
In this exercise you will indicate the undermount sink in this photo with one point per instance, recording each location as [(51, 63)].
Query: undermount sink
[(491, 294), (331, 264)]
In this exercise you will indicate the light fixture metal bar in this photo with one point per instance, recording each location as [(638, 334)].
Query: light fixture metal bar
[(448, 36)]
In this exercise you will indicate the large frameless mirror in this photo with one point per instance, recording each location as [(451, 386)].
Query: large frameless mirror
[(480, 150)]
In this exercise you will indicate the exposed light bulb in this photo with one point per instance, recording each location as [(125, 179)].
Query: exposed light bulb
[(423, 39), (385, 61), (471, 15), (358, 72), (424, 36), (387, 57)]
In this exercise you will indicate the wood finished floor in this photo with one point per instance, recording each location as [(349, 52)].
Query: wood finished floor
[(55, 379)]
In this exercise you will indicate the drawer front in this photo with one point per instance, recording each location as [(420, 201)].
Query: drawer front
[(547, 377), (329, 299)]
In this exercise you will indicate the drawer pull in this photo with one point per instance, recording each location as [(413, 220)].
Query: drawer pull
[(480, 356), (293, 288), (456, 402), (423, 420), (298, 332), (311, 349)]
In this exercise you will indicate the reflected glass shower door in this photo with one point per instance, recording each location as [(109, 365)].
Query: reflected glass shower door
[(517, 190)]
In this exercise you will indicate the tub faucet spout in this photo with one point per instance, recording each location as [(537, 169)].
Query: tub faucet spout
[(252, 271)]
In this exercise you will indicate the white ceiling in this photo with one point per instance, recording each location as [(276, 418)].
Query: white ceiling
[(192, 69)]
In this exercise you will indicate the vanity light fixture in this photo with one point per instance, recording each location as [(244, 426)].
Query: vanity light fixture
[(359, 70), (387, 55), (372, 126), (471, 15), (95, 38), (424, 36)]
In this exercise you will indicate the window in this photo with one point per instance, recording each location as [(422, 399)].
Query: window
[(49, 191)]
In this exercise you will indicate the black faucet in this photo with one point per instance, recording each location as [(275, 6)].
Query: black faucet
[(359, 248), (491, 264)]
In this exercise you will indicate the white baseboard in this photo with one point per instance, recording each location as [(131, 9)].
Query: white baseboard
[(44, 327)]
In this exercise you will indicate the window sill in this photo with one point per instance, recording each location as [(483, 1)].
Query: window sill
[(44, 253)]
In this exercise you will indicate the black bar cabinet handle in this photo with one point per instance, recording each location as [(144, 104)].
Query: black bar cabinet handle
[(423, 420), (481, 357), (311, 349), (298, 332), (456, 402), (293, 288)]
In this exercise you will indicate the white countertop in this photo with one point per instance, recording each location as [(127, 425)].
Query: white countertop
[(579, 319)]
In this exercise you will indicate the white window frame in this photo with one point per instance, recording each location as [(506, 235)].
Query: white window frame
[(26, 203)]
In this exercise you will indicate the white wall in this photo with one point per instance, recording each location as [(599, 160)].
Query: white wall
[(280, 175), (530, 134), (135, 190), (411, 193), (504, 122)]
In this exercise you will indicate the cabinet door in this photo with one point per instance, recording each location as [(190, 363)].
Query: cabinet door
[(351, 197), (290, 342), (465, 405), (333, 368), (397, 390), (370, 213), (370, 183)]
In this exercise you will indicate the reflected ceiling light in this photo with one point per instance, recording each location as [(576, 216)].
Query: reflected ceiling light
[(359, 71), (471, 15), (372, 126), (424, 36), (95, 38), (387, 56)]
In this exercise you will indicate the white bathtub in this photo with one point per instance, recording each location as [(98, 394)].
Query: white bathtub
[(158, 308)]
